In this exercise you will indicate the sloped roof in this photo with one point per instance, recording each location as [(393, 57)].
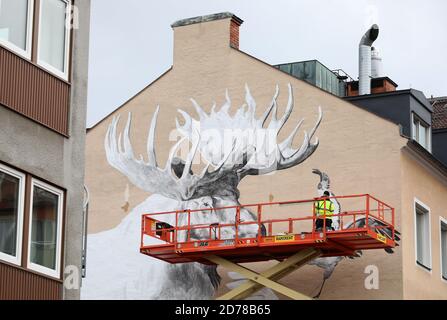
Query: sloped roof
[(439, 113)]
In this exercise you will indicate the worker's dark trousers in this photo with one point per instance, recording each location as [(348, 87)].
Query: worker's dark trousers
[(320, 224)]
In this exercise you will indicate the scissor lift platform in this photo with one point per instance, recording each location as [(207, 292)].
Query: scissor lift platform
[(370, 225), (334, 243)]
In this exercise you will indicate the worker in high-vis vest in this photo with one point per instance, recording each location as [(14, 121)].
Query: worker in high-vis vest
[(324, 210)]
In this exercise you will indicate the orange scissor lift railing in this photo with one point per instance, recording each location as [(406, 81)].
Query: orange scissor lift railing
[(284, 229)]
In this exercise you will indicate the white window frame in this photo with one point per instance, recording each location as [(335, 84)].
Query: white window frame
[(17, 260), (56, 273), (43, 64), (441, 222), (428, 268), (415, 131), (29, 35)]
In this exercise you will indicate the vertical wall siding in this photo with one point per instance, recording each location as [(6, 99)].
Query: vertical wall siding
[(34, 92), (18, 284)]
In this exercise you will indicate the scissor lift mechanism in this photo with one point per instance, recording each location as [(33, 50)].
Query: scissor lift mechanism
[(292, 248)]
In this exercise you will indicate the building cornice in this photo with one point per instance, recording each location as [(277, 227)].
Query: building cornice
[(427, 158), (207, 18)]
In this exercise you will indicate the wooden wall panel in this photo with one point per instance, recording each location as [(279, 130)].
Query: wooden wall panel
[(19, 284), (34, 92)]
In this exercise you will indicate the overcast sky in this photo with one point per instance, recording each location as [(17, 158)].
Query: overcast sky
[(131, 40)]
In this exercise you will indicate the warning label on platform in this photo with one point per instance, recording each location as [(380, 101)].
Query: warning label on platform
[(290, 237), (381, 238)]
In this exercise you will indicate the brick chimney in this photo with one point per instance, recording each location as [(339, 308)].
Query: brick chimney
[(198, 36), (234, 31), (378, 85)]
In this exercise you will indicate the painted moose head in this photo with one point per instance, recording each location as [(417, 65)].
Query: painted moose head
[(232, 148), (238, 145)]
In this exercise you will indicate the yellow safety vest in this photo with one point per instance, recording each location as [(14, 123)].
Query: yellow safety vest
[(324, 206)]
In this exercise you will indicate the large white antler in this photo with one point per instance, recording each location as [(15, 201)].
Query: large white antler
[(233, 145), (265, 154), (148, 176), (175, 180)]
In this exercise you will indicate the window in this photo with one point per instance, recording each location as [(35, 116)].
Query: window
[(54, 36), (16, 20), (45, 229), (443, 237), (16, 32), (11, 214), (423, 242), (421, 132)]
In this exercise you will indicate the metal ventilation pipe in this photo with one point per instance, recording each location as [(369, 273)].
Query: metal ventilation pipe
[(376, 64), (365, 59)]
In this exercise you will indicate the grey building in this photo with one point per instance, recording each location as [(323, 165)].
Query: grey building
[(43, 98), (408, 108), (422, 120)]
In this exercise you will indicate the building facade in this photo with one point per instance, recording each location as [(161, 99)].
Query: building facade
[(43, 95), (360, 150)]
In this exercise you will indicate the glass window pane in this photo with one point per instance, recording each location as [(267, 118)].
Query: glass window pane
[(13, 22), (52, 33), (422, 135), (318, 75), (444, 249), (309, 71), (329, 81), (9, 215), (44, 228), (323, 79), (420, 239), (298, 70), (414, 129), (334, 84), (422, 236), (285, 67)]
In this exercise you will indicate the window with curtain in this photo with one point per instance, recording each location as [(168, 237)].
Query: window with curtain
[(423, 236), (15, 25), (45, 227), (54, 36), (444, 249), (11, 214)]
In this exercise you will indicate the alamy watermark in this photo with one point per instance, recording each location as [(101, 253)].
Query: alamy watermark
[(71, 17), (258, 147), (72, 279), (372, 278)]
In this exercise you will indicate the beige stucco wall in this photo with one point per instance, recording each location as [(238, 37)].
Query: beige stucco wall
[(360, 151), (428, 186)]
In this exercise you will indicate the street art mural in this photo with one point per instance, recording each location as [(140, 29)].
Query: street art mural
[(232, 147), (229, 148)]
